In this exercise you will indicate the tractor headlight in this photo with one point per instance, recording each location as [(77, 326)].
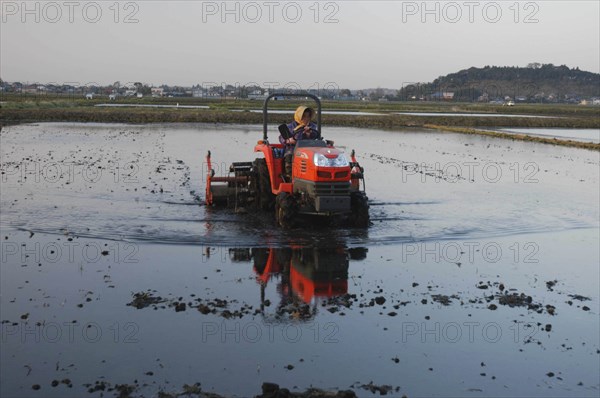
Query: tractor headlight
[(340, 161), (322, 161)]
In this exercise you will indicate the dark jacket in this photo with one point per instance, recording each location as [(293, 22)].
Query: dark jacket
[(299, 134)]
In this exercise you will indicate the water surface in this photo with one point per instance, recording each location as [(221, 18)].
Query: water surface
[(427, 300)]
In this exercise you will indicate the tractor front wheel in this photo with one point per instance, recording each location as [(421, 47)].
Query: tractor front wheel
[(359, 204), (285, 210)]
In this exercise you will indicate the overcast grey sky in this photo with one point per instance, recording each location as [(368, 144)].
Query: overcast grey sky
[(350, 44)]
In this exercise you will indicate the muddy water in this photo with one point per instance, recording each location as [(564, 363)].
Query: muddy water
[(478, 277)]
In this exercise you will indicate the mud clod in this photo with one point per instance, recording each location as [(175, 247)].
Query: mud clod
[(579, 297), (372, 388), (443, 299), (145, 299)]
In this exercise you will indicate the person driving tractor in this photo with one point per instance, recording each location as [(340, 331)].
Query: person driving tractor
[(301, 128)]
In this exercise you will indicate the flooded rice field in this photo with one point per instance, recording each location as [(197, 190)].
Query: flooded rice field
[(584, 135), (478, 276)]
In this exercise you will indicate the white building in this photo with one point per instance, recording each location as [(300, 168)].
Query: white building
[(157, 91)]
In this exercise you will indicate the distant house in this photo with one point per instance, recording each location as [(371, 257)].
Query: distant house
[(347, 98), (258, 95), (89, 96), (157, 91), (443, 95), (596, 101), (483, 98), (140, 95), (112, 97), (30, 89)]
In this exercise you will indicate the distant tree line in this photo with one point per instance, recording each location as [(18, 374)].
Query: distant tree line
[(536, 82)]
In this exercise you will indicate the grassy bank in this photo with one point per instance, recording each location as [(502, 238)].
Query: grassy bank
[(20, 101), (172, 115), (23, 109)]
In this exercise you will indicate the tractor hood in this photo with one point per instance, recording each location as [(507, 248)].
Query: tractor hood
[(309, 152)]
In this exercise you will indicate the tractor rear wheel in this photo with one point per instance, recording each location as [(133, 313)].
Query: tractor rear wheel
[(359, 204), (264, 195), (285, 210)]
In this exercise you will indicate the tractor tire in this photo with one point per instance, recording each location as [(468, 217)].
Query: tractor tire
[(260, 256), (359, 204), (283, 256), (265, 198), (253, 188), (285, 210)]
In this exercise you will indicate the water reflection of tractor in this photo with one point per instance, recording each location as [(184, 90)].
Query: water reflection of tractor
[(307, 276), (323, 181)]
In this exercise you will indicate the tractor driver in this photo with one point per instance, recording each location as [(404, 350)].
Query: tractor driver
[(301, 128)]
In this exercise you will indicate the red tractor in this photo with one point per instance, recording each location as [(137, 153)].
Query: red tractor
[(323, 181)]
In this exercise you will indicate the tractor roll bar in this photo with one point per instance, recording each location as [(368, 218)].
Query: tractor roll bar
[(266, 103)]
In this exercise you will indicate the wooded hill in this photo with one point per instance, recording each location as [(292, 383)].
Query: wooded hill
[(534, 83)]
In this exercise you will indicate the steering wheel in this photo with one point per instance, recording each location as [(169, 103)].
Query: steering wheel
[(315, 131)]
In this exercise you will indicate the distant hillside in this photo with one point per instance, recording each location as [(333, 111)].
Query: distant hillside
[(534, 83)]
